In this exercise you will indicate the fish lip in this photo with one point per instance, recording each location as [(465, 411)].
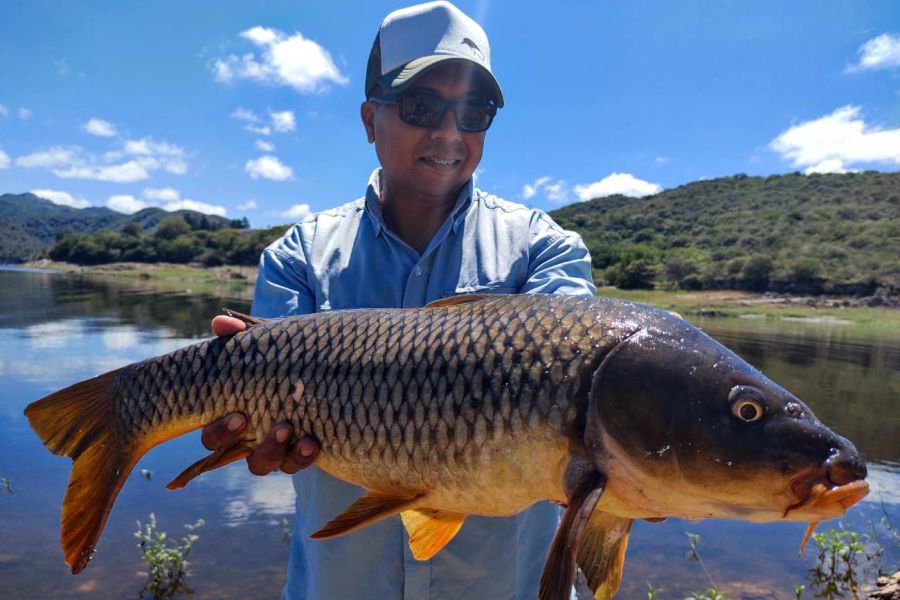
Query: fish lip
[(818, 494)]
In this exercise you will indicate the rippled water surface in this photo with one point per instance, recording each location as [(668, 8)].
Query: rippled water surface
[(58, 329)]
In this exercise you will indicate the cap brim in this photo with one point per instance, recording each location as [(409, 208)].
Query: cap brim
[(401, 78)]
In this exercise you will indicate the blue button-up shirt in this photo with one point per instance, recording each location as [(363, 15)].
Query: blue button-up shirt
[(348, 258)]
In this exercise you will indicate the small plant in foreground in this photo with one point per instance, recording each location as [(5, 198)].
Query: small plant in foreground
[(843, 557), (652, 591), (798, 591), (285, 531), (166, 561), (710, 594)]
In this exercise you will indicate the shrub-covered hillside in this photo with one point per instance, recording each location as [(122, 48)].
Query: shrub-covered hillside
[(836, 234), (30, 225)]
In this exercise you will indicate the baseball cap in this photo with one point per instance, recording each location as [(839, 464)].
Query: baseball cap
[(412, 41)]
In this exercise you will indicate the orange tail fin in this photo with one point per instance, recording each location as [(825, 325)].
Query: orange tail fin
[(79, 422)]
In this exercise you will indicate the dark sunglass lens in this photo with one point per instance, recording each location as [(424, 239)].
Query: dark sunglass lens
[(475, 117), (422, 110)]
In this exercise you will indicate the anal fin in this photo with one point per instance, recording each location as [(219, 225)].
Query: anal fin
[(219, 458), (367, 510), (601, 553), (430, 530)]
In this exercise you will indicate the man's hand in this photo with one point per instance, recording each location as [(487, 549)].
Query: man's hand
[(276, 451)]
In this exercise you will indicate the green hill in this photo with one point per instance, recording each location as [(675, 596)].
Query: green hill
[(29, 225), (834, 234)]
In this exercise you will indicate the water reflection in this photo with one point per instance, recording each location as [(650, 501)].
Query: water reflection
[(58, 329)]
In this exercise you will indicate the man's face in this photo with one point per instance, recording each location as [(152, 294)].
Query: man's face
[(427, 162)]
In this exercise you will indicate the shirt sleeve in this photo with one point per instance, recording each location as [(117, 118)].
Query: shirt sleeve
[(559, 262), (282, 283)]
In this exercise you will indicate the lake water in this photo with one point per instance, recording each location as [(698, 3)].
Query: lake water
[(58, 329)]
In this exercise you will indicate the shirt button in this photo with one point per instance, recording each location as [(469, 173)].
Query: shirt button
[(418, 271)]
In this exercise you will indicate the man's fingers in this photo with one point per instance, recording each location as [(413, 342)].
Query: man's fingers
[(223, 325), (302, 455), (269, 455), (223, 432)]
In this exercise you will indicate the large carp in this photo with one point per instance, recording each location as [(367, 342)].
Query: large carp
[(476, 405)]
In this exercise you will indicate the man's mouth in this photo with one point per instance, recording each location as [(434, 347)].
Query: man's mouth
[(442, 162)]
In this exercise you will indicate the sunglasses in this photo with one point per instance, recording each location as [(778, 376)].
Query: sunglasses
[(423, 109)]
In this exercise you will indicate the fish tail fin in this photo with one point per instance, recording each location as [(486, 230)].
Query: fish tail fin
[(79, 422)]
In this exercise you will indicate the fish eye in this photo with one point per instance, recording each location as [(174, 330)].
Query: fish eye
[(747, 404)]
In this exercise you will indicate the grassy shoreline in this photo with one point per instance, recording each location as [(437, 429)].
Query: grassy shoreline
[(238, 281)]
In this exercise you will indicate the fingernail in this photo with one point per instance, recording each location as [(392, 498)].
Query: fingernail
[(281, 435), (306, 451), (235, 422)]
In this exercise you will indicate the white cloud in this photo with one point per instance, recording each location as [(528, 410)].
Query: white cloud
[(4, 160), (125, 203), (617, 183), (74, 163), (248, 205), (283, 121), (165, 198), (203, 207), (661, 160), (831, 165), (3, 111), (530, 189), (147, 147), (841, 136), (285, 60), (268, 167), (162, 194), (128, 172), (54, 157), (882, 52), (244, 114), (259, 129), (99, 127), (264, 146), (63, 198), (24, 114), (298, 212), (557, 192)]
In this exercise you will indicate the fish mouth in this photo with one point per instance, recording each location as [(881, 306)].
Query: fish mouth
[(825, 499)]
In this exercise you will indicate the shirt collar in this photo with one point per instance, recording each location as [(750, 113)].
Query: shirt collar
[(376, 216)]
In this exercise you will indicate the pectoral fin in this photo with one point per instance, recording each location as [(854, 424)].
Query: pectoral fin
[(219, 458), (368, 509), (455, 300), (559, 570), (430, 530), (247, 319), (601, 553)]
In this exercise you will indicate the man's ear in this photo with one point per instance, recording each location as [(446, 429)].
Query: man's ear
[(367, 114)]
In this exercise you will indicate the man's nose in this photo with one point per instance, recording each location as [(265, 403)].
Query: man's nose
[(448, 129)]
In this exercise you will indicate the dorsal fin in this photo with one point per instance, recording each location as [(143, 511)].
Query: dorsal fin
[(242, 317), (454, 300)]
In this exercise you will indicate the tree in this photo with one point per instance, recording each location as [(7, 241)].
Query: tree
[(756, 272)]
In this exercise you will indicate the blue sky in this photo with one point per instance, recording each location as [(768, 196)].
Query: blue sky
[(251, 109)]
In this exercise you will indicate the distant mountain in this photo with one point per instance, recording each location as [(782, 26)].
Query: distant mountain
[(29, 224), (836, 234)]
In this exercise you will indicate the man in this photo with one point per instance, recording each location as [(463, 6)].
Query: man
[(420, 233)]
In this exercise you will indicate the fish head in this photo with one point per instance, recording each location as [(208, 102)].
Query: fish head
[(684, 427)]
